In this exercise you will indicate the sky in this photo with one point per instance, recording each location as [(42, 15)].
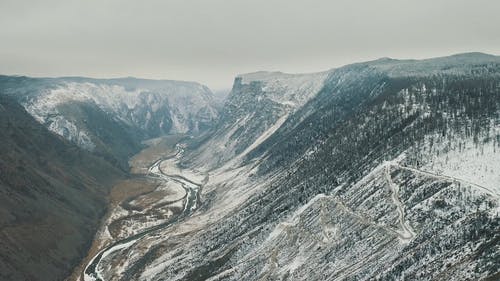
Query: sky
[(211, 41)]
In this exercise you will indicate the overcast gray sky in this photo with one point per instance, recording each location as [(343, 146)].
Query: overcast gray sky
[(210, 41)]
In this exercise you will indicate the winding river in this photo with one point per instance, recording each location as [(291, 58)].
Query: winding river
[(192, 201)]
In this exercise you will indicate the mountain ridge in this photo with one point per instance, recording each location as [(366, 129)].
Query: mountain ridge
[(86, 111), (349, 184)]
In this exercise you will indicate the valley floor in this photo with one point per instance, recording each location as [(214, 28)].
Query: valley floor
[(121, 192), (157, 195)]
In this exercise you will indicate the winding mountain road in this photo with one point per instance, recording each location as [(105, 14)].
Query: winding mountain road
[(406, 233)]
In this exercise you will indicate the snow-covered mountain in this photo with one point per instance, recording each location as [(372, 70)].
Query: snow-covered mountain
[(257, 106), (384, 170), (114, 114)]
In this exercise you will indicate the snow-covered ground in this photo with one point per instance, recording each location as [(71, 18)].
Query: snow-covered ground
[(477, 164)]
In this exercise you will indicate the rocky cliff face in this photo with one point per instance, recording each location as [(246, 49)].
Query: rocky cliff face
[(111, 117), (384, 170), (256, 107)]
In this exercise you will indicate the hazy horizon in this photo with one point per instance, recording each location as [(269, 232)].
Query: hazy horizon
[(211, 42)]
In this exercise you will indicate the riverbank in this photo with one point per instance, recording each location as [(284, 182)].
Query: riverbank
[(137, 194)]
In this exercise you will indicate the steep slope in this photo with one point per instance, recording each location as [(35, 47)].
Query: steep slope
[(52, 195), (413, 89), (257, 106), (111, 117), (361, 181), (416, 111), (380, 230)]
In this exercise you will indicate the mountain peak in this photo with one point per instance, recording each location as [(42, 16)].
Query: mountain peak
[(261, 75), (474, 55)]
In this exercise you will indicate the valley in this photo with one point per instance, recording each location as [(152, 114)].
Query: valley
[(249, 140), (381, 170), (315, 188), (156, 197)]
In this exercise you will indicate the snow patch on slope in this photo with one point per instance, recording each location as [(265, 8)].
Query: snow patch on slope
[(476, 164)]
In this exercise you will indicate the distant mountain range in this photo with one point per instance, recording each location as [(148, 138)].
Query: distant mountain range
[(111, 117)]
